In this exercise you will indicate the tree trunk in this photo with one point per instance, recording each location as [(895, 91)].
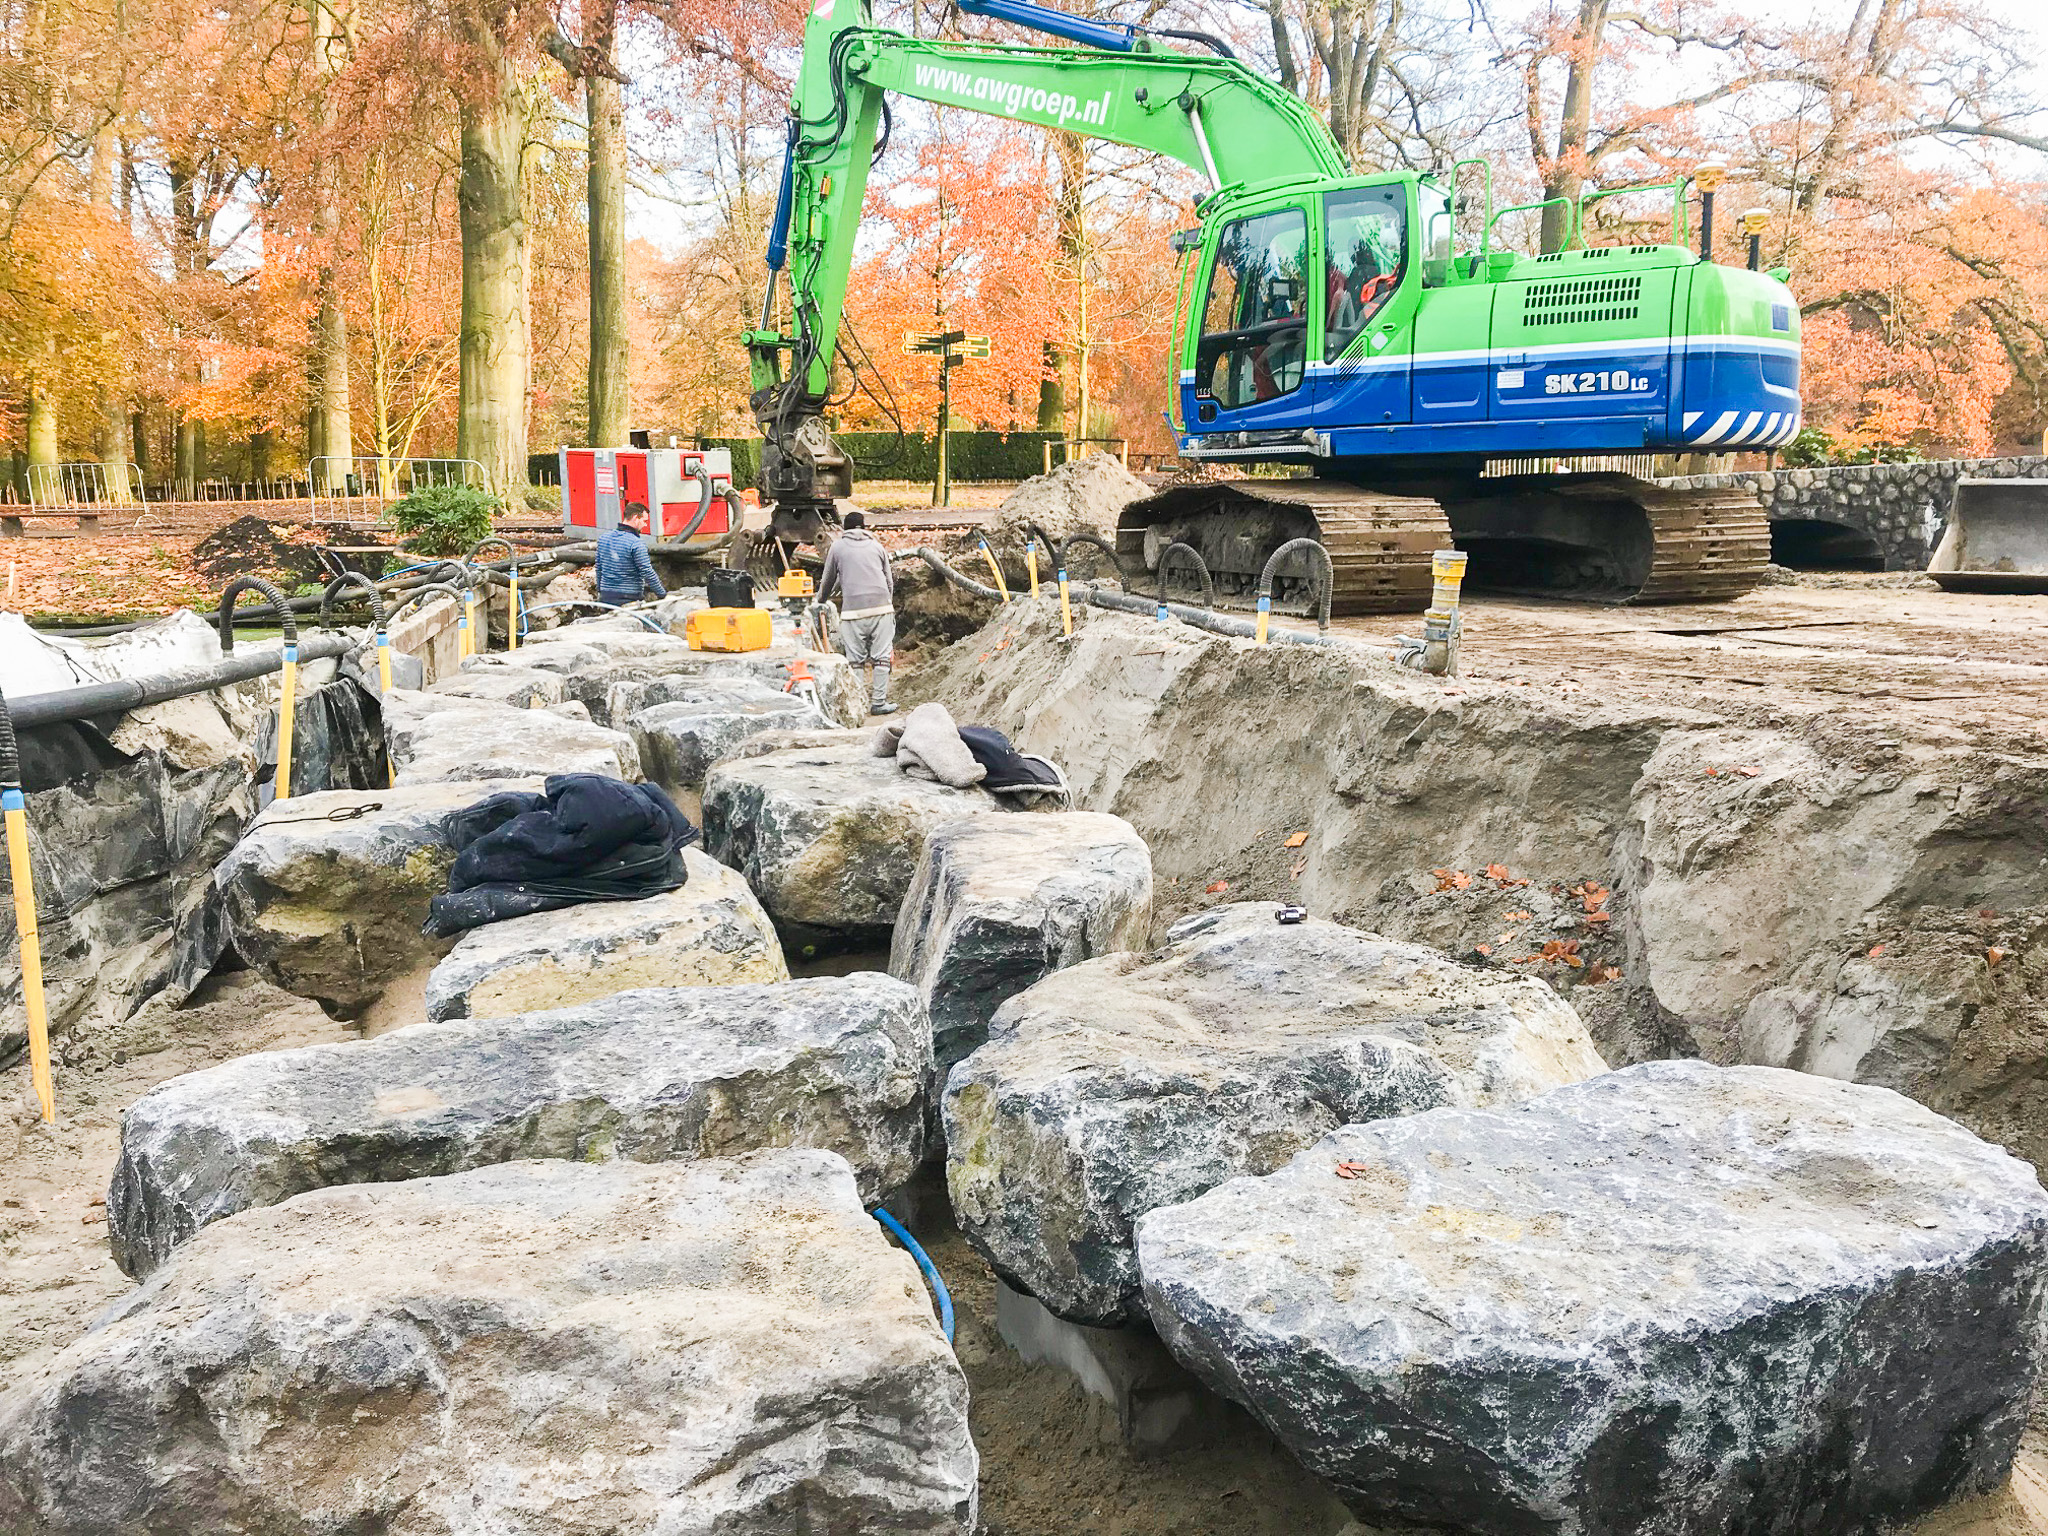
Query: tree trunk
[(1073, 244), (604, 100), (184, 458), (112, 438), (262, 454), (40, 430), (496, 343), (1052, 394), (138, 432), (329, 442), (1567, 172)]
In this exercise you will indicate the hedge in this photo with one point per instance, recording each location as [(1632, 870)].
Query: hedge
[(883, 456), (976, 456)]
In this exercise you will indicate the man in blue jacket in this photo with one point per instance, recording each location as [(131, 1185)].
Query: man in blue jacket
[(625, 571)]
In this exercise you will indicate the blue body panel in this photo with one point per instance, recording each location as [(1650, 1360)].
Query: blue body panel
[(1613, 397)]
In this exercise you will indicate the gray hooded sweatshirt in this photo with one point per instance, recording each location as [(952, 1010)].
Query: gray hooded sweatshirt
[(857, 567)]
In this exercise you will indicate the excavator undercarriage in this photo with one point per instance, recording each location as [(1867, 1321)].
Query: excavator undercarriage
[(1599, 537)]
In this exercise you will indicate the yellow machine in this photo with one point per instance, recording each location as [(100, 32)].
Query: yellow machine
[(730, 629)]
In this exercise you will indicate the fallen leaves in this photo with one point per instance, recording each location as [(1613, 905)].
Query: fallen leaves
[(1452, 879), (1599, 975), (1296, 840), (1349, 1170), (1295, 872), (1520, 917), (1993, 955), (1216, 887), (1554, 950), (1504, 877), (1876, 950)]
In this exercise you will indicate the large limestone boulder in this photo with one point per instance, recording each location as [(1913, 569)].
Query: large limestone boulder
[(1000, 902), (660, 1075), (435, 738), (680, 740), (519, 687), (828, 835), (324, 895), (1141, 1080), (727, 1347), (841, 690), (710, 933), (1677, 1298), (617, 672)]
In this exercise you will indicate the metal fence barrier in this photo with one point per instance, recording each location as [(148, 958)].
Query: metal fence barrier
[(338, 488)]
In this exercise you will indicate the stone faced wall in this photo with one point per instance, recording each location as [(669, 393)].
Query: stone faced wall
[(1901, 507)]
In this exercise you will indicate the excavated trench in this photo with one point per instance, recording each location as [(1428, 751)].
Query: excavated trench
[(1745, 868)]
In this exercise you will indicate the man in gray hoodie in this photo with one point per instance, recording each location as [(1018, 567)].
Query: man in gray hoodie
[(857, 568)]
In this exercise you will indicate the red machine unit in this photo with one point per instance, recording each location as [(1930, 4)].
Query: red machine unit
[(676, 485)]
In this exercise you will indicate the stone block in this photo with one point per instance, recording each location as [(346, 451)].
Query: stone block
[(661, 1075), (1140, 1080), (438, 738), (710, 933), (727, 1347), (325, 894), (1000, 902), (1677, 1298), (828, 835)]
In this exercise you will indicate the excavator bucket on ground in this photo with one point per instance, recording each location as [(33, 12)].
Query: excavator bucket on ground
[(1996, 539)]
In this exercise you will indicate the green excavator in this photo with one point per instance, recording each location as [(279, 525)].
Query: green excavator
[(1329, 322)]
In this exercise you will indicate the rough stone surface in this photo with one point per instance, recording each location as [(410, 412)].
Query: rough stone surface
[(680, 740), (618, 672), (436, 738), (1900, 508), (710, 933), (538, 1349), (1001, 902), (660, 1075), (1141, 1080), (324, 895), (127, 818), (1677, 1298), (828, 835), (520, 687), (1867, 903)]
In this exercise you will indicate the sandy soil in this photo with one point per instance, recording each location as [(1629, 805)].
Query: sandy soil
[(55, 1274), (1837, 644)]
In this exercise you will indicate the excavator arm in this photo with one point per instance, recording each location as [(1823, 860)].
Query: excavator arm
[(1120, 85)]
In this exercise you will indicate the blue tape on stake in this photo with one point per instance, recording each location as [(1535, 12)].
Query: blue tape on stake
[(13, 800), (382, 638), (1162, 613), (291, 653), (1265, 605), (1063, 573)]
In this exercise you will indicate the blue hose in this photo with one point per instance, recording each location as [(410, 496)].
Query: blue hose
[(940, 1294)]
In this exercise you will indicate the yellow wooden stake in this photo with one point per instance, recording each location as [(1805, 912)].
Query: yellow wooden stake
[(15, 806), (384, 663), (1001, 586), (512, 610), (466, 645), (286, 705), (1066, 610), (1031, 563)]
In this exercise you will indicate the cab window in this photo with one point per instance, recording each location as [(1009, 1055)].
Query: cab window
[(1368, 251), (1255, 320)]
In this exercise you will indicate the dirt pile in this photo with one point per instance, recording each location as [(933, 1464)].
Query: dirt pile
[(251, 546), (1081, 496), (1853, 892)]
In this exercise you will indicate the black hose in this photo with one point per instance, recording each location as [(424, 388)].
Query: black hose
[(494, 538), (278, 605), (937, 562), (344, 582), (1123, 580), (1201, 569), (1199, 618), (10, 752), (432, 588), (704, 501), (91, 700), (1328, 573)]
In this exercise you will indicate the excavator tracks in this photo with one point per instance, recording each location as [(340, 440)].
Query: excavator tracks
[(1379, 545), (1592, 537)]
